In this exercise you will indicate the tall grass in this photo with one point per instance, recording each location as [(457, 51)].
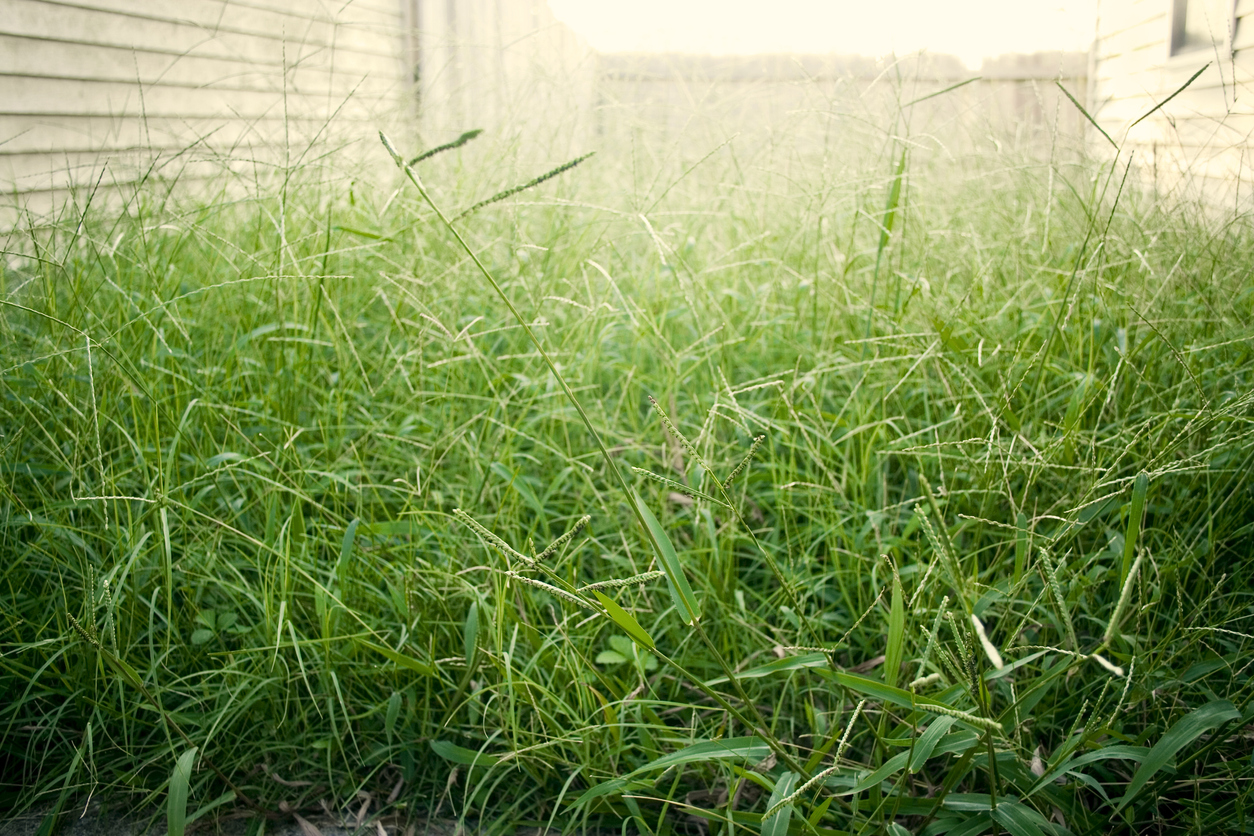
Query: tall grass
[(988, 568)]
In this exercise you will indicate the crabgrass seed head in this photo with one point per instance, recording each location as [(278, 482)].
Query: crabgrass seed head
[(564, 539)]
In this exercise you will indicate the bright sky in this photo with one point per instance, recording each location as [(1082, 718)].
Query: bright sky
[(970, 29)]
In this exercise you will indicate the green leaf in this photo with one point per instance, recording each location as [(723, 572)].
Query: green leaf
[(627, 649), (346, 552), (896, 635), (400, 658), (927, 741), (610, 657), (1131, 753), (520, 485), (969, 802), (363, 233), (681, 593), (973, 826), (470, 632), (460, 754), (1075, 405), (865, 783), (894, 199), (393, 711), (51, 822), (777, 825), (1187, 729), (1021, 546), (201, 636), (1020, 820), (226, 798), (624, 619), (998, 673), (176, 803), (1136, 511), (730, 748), (296, 530), (883, 692), (1087, 116), (788, 663)]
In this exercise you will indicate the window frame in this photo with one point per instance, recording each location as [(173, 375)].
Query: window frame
[(1175, 32)]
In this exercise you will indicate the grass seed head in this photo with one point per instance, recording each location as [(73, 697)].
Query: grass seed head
[(966, 717), (924, 681), (643, 577), (564, 539), (673, 430), (491, 539), (1055, 586), (552, 590), (989, 649), (1125, 595), (1107, 664), (731, 477)]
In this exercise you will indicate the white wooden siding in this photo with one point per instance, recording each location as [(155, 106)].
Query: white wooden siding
[(196, 88), (1199, 143), (491, 63), (114, 87)]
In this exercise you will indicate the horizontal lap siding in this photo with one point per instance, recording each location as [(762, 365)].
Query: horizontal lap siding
[(109, 85), (1202, 137)]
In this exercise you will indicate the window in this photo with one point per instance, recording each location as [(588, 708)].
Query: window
[(1199, 24)]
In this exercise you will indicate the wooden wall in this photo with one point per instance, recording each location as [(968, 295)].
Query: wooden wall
[(1199, 144), (506, 65), (128, 87), (112, 91)]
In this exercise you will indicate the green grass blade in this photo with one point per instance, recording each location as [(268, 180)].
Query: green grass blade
[(1187, 729), (632, 500), (1022, 545), (400, 658), (460, 754), (878, 690), (927, 741), (1131, 753), (346, 553), (893, 203), (222, 800), (731, 748), (788, 663), (1087, 115), (1020, 820), (1179, 90), (389, 719), (51, 822), (777, 825), (887, 221), (948, 89), (625, 620), (1136, 512), (896, 635), (470, 632), (681, 593), (176, 800)]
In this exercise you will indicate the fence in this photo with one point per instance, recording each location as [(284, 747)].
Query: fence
[(812, 101)]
